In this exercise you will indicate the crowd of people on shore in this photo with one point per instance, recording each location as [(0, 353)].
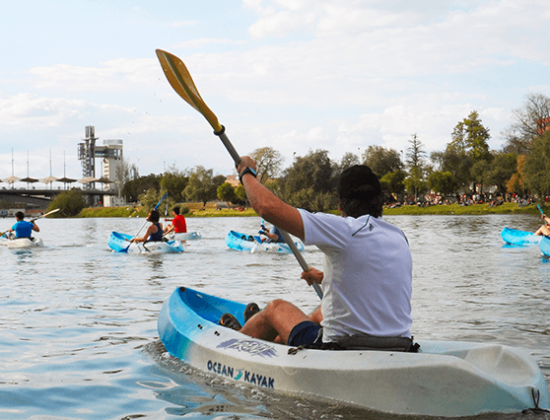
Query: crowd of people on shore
[(492, 200)]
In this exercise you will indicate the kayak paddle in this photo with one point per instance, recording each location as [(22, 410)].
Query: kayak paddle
[(135, 236), (540, 209), (180, 79)]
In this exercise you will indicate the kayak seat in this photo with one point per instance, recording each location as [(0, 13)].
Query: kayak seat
[(369, 342)]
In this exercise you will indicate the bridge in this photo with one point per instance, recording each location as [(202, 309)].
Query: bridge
[(41, 198)]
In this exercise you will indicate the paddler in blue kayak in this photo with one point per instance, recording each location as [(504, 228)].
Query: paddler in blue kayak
[(544, 230), (273, 235), (22, 228), (154, 232), (367, 277)]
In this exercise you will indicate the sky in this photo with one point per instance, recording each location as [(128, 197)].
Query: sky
[(295, 75)]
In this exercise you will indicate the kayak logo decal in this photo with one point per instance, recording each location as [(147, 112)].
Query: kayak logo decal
[(242, 375), (251, 347)]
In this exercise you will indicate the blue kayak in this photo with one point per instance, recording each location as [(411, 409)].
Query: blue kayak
[(119, 242), (251, 243), (445, 378), (544, 245), (519, 237)]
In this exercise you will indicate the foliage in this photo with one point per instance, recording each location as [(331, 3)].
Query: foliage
[(503, 166), (443, 183), (125, 173), (268, 163), (537, 166), (415, 159), (309, 200), (515, 184), (174, 182), (240, 192), (348, 160), (314, 171), (382, 160), (530, 122), (109, 212), (470, 136), (226, 192), (151, 198), (138, 186), (202, 185), (70, 203), (393, 182), (455, 161)]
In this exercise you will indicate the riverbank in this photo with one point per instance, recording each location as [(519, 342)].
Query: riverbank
[(210, 210)]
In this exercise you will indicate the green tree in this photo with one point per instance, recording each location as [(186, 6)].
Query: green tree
[(70, 203), (201, 186), (240, 192), (135, 187), (470, 136), (268, 163), (443, 183), (382, 160), (393, 182), (226, 192), (314, 171), (536, 170), (415, 160), (502, 167), (348, 160), (174, 182)]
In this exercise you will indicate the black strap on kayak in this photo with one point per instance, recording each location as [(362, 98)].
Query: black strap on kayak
[(367, 342), (535, 393)]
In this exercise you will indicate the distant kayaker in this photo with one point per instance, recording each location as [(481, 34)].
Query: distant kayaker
[(178, 223), (273, 235), (367, 278), (544, 230), (154, 231), (22, 228)]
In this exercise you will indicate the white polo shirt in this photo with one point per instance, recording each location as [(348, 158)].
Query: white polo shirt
[(367, 281)]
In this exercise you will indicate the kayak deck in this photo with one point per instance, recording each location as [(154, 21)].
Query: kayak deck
[(443, 379), (119, 242)]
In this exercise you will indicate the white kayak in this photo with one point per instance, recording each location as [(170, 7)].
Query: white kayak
[(445, 378), (188, 236), (22, 243)]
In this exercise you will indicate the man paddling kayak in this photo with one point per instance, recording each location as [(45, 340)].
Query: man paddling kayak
[(22, 228), (367, 278)]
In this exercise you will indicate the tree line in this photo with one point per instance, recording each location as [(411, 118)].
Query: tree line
[(466, 165)]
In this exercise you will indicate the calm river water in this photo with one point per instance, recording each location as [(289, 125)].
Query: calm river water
[(78, 323)]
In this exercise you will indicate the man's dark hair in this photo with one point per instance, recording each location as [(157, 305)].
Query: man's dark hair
[(360, 192), (154, 217), (19, 215), (176, 210)]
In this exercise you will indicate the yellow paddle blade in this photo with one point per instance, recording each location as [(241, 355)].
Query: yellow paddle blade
[(179, 78)]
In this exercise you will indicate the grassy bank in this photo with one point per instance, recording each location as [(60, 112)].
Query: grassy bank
[(197, 210)]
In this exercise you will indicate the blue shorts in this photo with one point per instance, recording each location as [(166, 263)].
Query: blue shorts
[(303, 334)]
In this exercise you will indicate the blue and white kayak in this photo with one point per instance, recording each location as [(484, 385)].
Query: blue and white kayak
[(445, 378), (251, 243), (188, 236), (544, 245), (119, 242), (519, 237)]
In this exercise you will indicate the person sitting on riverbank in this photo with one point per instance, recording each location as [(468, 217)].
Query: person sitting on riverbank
[(544, 230), (154, 231), (22, 228), (178, 223), (367, 280)]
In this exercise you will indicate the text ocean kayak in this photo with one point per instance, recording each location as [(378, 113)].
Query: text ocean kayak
[(443, 379), (519, 237), (250, 243), (119, 242)]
